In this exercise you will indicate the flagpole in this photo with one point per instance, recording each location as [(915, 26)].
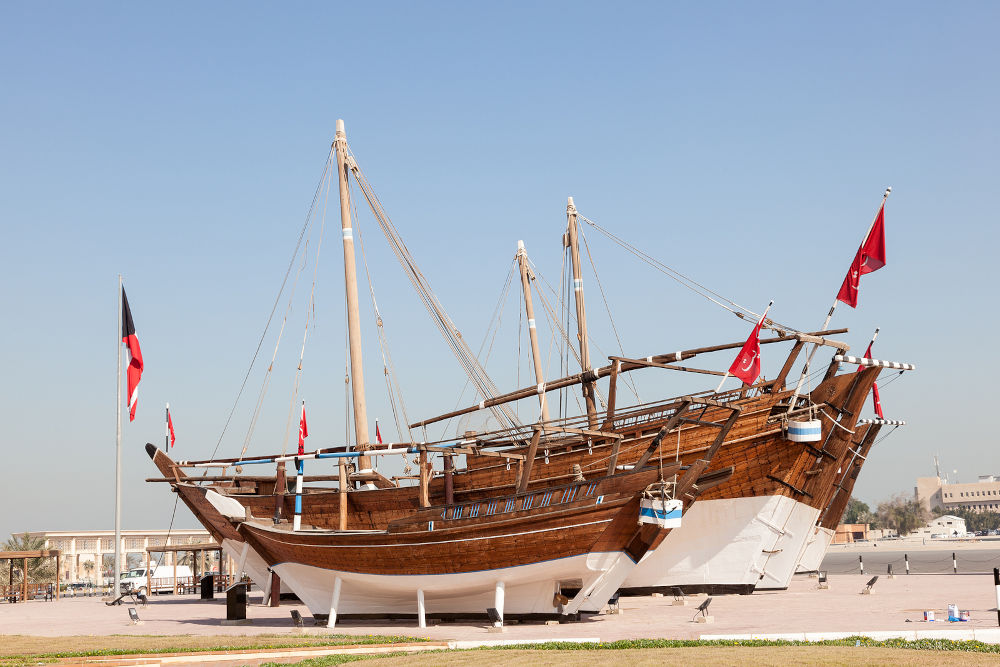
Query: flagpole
[(166, 430), (829, 316), (118, 450), (762, 318)]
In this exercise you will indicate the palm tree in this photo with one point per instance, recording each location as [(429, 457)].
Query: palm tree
[(40, 570), (88, 567)]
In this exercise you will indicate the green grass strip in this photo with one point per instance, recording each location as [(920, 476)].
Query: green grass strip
[(971, 646)]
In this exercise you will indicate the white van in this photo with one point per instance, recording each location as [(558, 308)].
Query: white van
[(160, 580)]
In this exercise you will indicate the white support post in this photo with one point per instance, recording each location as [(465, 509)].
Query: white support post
[(267, 590), (421, 610), (498, 603), (334, 603)]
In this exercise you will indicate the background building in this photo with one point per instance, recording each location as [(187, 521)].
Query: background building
[(981, 496), (947, 526), (90, 556)]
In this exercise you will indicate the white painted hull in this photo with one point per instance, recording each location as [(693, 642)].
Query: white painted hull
[(528, 589), (255, 567), (735, 543), (815, 551)]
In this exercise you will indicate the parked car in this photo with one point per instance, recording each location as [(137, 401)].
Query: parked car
[(161, 579)]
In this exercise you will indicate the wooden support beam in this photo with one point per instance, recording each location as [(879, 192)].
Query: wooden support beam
[(723, 432), (529, 459), (654, 444), (690, 476), (342, 469), (779, 382), (425, 479), (612, 393)]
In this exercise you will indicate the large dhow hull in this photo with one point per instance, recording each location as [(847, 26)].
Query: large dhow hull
[(515, 553), (750, 531)]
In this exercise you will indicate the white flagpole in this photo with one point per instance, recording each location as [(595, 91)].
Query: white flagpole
[(762, 318), (166, 430), (118, 451), (829, 315)]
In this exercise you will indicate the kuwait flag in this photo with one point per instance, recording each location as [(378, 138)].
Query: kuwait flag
[(134, 354)]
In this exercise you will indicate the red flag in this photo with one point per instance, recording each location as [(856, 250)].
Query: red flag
[(378, 436), (170, 427), (135, 356), (875, 397), (747, 364), (303, 430), (870, 257)]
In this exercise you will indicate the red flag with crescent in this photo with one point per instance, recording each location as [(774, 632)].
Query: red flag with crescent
[(303, 430), (134, 373), (747, 364), (870, 257), (875, 397), (378, 434), (170, 428)]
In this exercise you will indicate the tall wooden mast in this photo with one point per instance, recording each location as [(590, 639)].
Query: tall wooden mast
[(522, 261), (351, 289), (581, 313)]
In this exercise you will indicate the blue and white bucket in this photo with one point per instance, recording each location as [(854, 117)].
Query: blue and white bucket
[(661, 512), (805, 431)]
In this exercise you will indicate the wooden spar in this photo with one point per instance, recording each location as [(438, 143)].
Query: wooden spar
[(654, 444), (449, 488), (536, 355), (625, 367), (351, 289), (524, 471), (653, 364), (588, 385), (342, 470), (779, 382), (612, 392), (425, 479)]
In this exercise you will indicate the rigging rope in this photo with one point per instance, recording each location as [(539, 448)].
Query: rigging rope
[(444, 323), (277, 300), (740, 311)]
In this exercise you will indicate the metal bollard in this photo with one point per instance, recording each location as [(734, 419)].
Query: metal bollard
[(861, 564), (890, 570), (906, 558), (954, 562)]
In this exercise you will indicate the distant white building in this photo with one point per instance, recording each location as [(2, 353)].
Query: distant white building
[(947, 525)]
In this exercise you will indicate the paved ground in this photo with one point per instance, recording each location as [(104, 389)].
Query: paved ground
[(801, 609)]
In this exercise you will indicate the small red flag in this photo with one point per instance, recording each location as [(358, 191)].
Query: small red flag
[(870, 257), (378, 435), (170, 427), (303, 430), (747, 364), (135, 356), (875, 397)]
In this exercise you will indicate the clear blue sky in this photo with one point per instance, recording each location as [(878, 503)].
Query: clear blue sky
[(744, 144)]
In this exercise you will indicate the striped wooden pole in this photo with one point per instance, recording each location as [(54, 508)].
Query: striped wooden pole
[(906, 559), (861, 564), (954, 562)]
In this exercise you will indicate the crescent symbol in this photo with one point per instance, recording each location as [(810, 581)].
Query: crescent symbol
[(750, 362)]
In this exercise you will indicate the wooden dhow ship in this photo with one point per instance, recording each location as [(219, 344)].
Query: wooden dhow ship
[(761, 488)]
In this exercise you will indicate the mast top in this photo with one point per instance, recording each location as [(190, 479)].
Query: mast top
[(570, 206), (520, 247), (340, 128), (888, 190)]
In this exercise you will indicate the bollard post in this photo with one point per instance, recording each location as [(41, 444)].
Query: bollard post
[(861, 564), (996, 584), (954, 562), (889, 573), (906, 558)]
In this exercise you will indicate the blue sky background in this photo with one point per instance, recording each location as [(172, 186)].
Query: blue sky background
[(746, 145)]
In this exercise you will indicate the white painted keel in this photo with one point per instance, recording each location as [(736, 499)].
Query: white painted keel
[(527, 589), (815, 551)]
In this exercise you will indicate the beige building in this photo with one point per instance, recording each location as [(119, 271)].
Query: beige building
[(980, 496), (90, 556)]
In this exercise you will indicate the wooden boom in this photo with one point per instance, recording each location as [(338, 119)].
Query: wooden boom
[(623, 366)]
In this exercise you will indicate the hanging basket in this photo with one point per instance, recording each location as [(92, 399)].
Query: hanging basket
[(665, 513), (806, 430)]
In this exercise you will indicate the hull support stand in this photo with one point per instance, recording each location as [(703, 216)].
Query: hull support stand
[(334, 603)]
